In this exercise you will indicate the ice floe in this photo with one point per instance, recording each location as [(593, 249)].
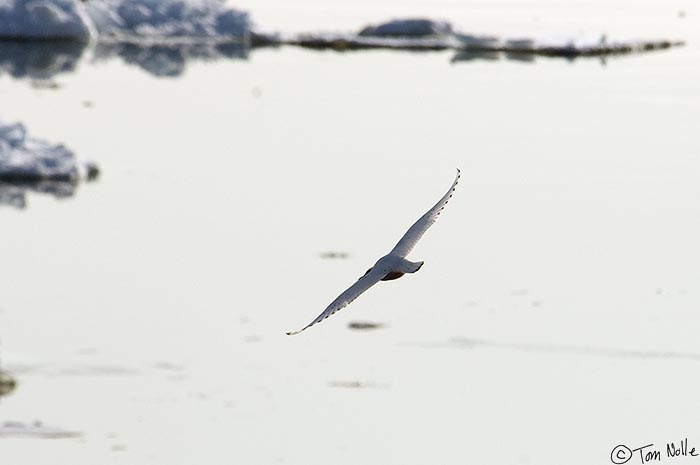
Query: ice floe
[(122, 20), (168, 60), (24, 158), (30, 164), (193, 21), (425, 34), (159, 36)]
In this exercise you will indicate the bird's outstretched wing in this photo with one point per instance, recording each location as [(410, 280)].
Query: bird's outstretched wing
[(415, 232), (344, 299)]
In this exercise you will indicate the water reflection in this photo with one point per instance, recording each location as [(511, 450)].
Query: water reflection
[(468, 55), (36, 430), (39, 60), (169, 60), (564, 349), (45, 60), (365, 325), (14, 193)]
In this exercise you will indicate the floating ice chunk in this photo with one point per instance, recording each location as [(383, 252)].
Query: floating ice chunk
[(159, 19), (28, 164), (408, 28), (26, 159), (591, 43), (44, 19), (426, 34), (354, 42)]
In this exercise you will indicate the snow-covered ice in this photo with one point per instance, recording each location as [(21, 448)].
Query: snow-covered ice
[(411, 27), (29, 164), (24, 158), (172, 19), (149, 22), (44, 19), (122, 20), (426, 34)]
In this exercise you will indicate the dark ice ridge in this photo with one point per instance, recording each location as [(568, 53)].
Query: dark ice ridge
[(425, 34)]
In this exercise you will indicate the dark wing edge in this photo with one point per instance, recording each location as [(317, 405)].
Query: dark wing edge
[(344, 299), (415, 232)]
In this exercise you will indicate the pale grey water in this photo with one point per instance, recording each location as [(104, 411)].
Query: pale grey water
[(556, 314)]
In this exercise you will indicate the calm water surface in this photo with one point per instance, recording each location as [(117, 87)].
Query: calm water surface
[(556, 314)]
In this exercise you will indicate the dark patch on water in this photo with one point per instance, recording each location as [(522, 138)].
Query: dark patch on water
[(334, 255), (7, 383), (563, 349), (34, 430), (351, 384), (365, 325)]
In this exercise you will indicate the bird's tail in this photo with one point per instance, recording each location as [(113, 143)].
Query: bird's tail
[(412, 267)]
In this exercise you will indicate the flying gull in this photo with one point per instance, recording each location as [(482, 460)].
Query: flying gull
[(391, 266)]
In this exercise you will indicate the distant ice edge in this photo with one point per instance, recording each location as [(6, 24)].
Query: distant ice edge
[(426, 34), (187, 21), (122, 20)]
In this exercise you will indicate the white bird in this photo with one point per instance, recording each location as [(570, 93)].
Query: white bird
[(391, 266)]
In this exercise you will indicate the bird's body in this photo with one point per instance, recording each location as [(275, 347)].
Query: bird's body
[(391, 266)]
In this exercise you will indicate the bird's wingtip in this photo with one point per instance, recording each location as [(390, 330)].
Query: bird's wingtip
[(292, 333)]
